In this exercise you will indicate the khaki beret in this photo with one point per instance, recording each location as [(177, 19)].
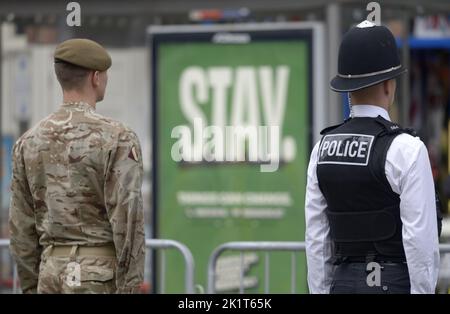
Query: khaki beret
[(83, 52)]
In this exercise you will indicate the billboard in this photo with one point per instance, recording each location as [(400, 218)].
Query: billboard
[(232, 124)]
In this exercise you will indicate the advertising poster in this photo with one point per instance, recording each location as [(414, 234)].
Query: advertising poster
[(232, 114)]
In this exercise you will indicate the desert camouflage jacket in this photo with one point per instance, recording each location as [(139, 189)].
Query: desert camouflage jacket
[(77, 179)]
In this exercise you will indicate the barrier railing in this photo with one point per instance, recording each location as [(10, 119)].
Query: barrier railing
[(444, 248), (188, 259), (4, 244), (149, 244), (294, 247), (163, 244)]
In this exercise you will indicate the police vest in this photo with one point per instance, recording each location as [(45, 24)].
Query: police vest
[(363, 211)]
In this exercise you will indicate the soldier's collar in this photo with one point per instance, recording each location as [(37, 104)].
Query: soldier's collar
[(78, 105)]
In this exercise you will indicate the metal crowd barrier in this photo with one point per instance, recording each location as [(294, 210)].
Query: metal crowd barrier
[(444, 248), (294, 247), (4, 244), (149, 244), (188, 260)]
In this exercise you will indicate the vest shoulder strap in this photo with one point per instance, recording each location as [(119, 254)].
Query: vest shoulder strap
[(410, 131), (392, 128), (331, 128), (388, 127)]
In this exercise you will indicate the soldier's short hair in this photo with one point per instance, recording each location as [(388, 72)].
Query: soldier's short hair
[(70, 76)]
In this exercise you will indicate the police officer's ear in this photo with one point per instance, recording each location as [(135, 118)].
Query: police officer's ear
[(386, 87), (389, 87)]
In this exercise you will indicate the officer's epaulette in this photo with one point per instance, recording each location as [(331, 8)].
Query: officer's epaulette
[(394, 128)]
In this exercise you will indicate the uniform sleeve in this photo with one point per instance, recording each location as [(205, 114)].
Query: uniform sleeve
[(24, 243), (317, 237), (409, 173), (123, 200)]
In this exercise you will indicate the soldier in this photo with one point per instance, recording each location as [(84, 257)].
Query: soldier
[(76, 217)]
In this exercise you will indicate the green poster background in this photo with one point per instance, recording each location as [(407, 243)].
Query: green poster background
[(202, 235)]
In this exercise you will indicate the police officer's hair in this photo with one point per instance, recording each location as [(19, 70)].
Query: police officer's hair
[(70, 76)]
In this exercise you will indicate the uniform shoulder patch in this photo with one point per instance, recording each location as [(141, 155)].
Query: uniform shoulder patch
[(346, 149)]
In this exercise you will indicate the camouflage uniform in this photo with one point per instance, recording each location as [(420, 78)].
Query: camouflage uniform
[(77, 180)]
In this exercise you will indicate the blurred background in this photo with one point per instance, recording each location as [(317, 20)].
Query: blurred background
[(29, 91)]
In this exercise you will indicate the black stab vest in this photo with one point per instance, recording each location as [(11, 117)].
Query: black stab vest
[(363, 211)]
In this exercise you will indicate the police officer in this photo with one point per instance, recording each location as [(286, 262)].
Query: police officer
[(370, 199), (76, 216)]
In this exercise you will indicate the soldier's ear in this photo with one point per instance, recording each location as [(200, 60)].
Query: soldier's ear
[(96, 78)]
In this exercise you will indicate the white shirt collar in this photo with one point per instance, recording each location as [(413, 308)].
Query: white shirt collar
[(370, 111)]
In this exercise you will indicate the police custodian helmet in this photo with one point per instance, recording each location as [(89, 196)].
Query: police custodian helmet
[(367, 56)]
